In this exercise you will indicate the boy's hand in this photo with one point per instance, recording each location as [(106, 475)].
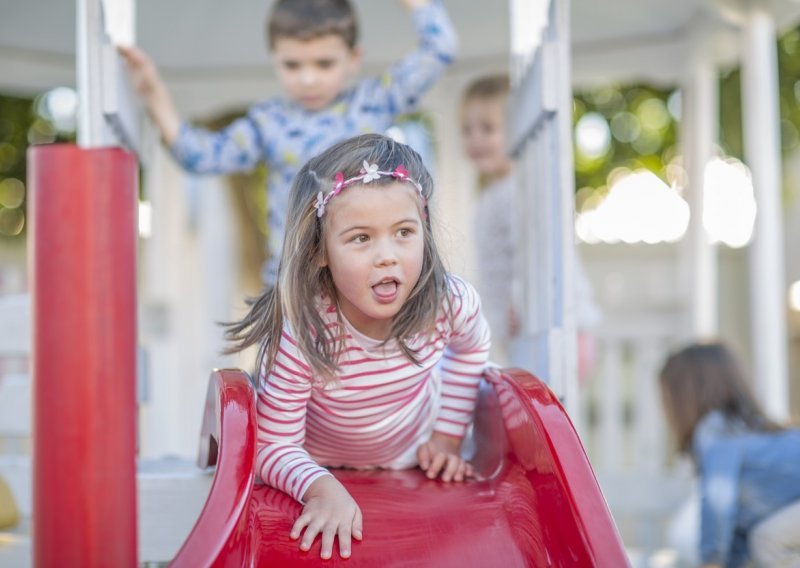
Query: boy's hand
[(330, 510), (441, 454), (414, 4), (152, 90), (143, 71)]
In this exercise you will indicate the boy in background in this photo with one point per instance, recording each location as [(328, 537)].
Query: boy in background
[(314, 46)]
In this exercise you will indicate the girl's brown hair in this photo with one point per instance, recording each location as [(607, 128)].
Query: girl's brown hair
[(701, 378), (303, 281)]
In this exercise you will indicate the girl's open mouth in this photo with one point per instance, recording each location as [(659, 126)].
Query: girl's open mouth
[(386, 290)]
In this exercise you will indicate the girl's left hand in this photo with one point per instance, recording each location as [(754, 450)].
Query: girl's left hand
[(441, 454)]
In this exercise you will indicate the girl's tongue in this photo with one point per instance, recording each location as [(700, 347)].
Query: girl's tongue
[(385, 289)]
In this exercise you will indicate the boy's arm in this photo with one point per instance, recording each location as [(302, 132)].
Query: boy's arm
[(153, 92), (235, 148), (403, 83)]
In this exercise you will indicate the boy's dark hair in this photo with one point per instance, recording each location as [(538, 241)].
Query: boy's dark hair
[(308, 19)]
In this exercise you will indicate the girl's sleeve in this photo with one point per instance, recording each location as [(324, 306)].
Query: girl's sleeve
[(284, 390), (720, 467), (400, 87), (464, 360), (238, 147), (719, 458)]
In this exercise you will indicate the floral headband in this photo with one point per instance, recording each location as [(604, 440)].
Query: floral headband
[(368, 173)]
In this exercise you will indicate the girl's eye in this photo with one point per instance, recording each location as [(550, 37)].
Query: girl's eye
[(405, 232), (360, 239), (325, 63), (291, 65)]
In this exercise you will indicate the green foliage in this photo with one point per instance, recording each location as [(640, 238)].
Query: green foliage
[(641, 132), (20, 126), (617, 104)]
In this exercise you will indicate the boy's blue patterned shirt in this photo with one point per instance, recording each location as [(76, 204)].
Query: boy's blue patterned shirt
[(284, 135)]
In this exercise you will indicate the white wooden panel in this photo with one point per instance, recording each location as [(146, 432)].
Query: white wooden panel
[(611, 407), (15, 406), (15, 325)]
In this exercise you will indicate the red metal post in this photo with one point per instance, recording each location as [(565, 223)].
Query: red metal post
[(83, 272)]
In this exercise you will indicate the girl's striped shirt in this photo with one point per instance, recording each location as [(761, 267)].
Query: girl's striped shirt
[(383, 405)]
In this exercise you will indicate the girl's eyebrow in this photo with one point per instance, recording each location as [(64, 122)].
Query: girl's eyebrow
[(409, 220)]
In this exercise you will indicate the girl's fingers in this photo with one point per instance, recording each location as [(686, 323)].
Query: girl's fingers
[(344, 540), (436, 465), (424, 457), (298, 525), (469, 471), (462, 467), (451, 467), (358, 525), (328, 534), (312, 530)]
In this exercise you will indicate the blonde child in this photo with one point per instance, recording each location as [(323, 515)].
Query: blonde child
[(371, 353), (483, 130), (315, 54), (748, 466)]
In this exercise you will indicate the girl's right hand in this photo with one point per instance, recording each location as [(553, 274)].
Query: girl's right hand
[(330, 510)]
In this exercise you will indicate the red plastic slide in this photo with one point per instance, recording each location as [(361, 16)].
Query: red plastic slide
[(537, 503)]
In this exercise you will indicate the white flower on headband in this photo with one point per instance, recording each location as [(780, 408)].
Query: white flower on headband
[(370, 172), (320, 204)]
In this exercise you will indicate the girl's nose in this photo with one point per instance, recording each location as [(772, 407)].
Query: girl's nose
[(385, 254)]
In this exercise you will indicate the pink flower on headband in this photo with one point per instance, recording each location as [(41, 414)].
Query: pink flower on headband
[(400, 172), (367, 174), (338, 183)]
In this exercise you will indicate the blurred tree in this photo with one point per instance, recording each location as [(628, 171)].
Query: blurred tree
[(638, 137), (21, 124)]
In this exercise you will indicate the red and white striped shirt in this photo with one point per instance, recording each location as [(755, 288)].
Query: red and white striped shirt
[(383, 405)]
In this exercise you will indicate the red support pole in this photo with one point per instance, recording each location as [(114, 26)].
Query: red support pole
[(83, 273)]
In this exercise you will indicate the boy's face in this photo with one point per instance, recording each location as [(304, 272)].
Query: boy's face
[(313, 72), (484, 137)]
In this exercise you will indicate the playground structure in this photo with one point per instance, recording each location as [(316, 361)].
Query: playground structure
[(535, 502), (645, 352)]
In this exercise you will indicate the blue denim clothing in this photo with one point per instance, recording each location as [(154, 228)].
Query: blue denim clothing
[(744, 477), (285, 136)]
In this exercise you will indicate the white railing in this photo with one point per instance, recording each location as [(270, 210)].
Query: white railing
[(625, 434)]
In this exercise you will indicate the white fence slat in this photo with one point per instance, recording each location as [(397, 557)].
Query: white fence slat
[(15, 325), (611, 407)]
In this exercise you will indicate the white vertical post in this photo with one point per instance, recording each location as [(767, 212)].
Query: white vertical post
[(699, 120), (766, 254), (540, 137), (92, 129), (100, 26)]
